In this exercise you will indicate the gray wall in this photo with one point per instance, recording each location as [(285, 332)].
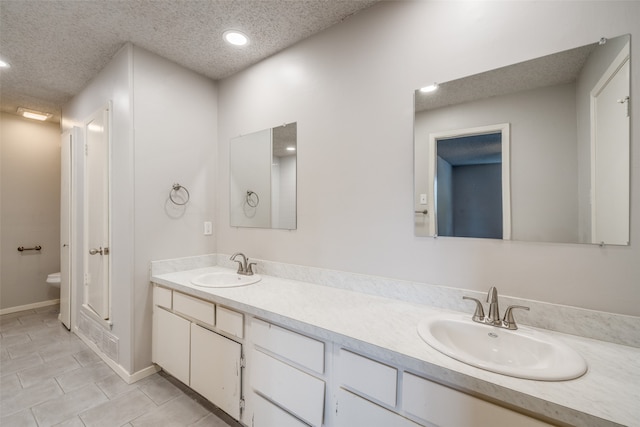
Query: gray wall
[(29, 210), (351, 91)]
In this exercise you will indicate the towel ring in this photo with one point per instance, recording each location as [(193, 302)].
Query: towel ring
[(252, 198), (174, 191)]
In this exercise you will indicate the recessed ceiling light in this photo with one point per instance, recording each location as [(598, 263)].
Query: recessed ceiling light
[(33, 114), (4, 64), (291, 148), (430, 88), (235, 37)]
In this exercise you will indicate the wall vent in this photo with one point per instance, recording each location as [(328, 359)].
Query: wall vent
[(110, 345), (103, 339)]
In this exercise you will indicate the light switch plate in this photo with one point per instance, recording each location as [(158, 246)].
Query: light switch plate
[(208, 228)]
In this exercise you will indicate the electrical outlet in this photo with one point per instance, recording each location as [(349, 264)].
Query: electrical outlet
[(208, 228)]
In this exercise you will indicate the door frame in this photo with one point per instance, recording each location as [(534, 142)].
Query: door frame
[(504, 129)]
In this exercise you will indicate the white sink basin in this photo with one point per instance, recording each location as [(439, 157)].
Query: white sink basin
[(523, 353), (224, 280)]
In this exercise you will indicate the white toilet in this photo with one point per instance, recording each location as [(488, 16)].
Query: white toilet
[(54, 279)]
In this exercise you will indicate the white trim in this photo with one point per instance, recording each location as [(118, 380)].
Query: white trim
[(25, 307), (504, 128), (118, 369), (90, 312)]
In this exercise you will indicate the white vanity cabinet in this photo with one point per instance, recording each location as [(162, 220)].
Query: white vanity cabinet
[(375, 394), (186, 344), (294, 380)]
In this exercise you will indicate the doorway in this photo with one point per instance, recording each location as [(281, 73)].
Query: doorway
[(470, 179)]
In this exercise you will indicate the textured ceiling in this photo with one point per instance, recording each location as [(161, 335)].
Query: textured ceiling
[(55, 47), (558, 68)]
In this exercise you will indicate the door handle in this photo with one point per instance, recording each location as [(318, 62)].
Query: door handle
[(101, 251)]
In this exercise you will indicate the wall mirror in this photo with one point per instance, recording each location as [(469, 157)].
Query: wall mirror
[(536, 151), (262, 166)]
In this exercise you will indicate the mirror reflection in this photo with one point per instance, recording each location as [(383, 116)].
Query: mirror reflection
[(560, 171), (262, 179)]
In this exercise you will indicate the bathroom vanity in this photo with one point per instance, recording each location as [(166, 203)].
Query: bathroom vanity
[(283, 352)]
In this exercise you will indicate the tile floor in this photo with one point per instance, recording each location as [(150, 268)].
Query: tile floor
[(49, 377)]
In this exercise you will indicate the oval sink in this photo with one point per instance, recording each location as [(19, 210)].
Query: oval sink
[(523, 353), (224, 280)]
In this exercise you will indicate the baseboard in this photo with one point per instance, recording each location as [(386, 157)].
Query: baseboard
[(122, 373), (26, 307)]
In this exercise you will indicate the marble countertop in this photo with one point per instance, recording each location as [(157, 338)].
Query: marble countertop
[(607, 395)]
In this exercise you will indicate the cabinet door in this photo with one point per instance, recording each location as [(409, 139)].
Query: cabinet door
[(171, 343), (215, 369), (356, 411)]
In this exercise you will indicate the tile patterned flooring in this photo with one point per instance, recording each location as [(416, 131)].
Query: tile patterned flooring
[(49, 377)]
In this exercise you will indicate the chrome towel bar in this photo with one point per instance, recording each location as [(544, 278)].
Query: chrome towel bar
[(35, 248)]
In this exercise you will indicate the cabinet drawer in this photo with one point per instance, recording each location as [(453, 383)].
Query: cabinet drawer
[(198, 309), (298, 348), (441, 405), (162, 297), (356, 411), (230, 321), (292, 389), (368, 376), (266, 414)]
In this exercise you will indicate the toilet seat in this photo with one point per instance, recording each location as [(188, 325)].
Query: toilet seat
[(53, 278)]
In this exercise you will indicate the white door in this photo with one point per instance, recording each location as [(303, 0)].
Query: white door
[(65, 229), (97, 214), (610, 155)]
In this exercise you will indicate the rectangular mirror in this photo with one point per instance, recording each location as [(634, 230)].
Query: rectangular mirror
[(536, 151), (263, 172)]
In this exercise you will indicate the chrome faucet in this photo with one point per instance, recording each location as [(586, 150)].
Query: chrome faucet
[(493, 318), (244, 267)]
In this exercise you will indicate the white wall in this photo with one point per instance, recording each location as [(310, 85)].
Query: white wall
[(29, 210), (351, 91), (175, 124), (163, 132)]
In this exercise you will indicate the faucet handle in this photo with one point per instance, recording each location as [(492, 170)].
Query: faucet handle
[(250, 269), (478, 315), (509, 321)]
